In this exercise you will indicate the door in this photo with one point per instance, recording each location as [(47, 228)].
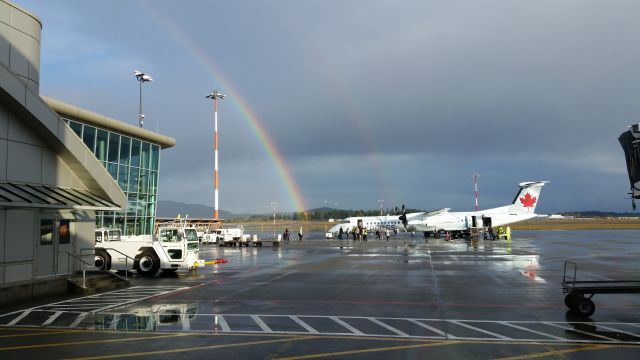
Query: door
[(63, 245), (45, 255)]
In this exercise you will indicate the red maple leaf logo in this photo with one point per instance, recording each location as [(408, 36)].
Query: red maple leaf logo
[(528, 200)]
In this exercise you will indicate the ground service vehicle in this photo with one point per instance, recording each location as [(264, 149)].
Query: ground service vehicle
[(174, 248)]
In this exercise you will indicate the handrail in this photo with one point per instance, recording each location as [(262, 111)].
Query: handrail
[(84, 277), (126, 262)]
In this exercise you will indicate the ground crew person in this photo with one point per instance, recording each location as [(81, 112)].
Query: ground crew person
[(364, 234), (500, 232), (508, 233)]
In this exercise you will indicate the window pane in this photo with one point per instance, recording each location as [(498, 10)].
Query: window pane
[(46, 231), (133, 179), (144, 157), (108, 222), (153, 182), (76, 127), (113, 170), (135, 153), (64, 232), (132, 205), (129, 227), (89, 137), (114, 146), (140, 226), (101, 145), (125, 148), (151, 206), (123, 178), (155, 157), (119, 221), (143, 181), (142, 205)]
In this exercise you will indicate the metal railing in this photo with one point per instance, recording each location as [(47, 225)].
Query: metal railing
[(126, 260), (79, 258)]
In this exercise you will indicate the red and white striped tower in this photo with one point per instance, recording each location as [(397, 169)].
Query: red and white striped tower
[(475, 183), (215, 95)]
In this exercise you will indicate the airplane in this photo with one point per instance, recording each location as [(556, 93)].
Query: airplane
[(457, 223)]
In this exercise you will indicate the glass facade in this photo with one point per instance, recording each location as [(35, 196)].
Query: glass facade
[(134, 164)]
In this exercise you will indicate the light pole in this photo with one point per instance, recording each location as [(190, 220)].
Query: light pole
[(142, 78), (475, 184), (380, 201), (274, 218), (215, 95)]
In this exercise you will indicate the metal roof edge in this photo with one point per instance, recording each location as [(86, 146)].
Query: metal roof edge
[(106, 122)]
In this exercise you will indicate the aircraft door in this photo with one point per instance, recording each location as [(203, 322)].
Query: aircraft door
[(474, 222), (359, 223), (486, 221)]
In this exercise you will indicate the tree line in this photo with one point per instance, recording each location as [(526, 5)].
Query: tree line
[(322, 214)]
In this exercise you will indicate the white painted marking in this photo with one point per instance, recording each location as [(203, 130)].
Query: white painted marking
[(388, 327), (303, 324), (579, 331), (136, 300), (532, 331), (480, 330), (347, 326), (78, 320), (20, 317), (223, 323), (52, 318), (261, 323), (437, 331), (617, 330)]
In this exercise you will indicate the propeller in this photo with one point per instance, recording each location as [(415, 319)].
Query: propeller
[(403, 216)]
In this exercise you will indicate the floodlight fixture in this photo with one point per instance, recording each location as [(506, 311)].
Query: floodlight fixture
[(142, 78)]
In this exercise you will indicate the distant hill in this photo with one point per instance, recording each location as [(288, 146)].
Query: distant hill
[(169, 209)]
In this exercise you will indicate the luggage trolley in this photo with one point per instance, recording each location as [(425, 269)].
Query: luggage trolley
[(579, 293)]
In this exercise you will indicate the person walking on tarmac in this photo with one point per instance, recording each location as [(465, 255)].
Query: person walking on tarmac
[(353, 233), (340, 233), (491, 235), (364, 234), (500, 232), (286, 234), (508, 233), (300, 234)]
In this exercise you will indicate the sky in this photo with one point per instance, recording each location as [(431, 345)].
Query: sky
[(344, 103)]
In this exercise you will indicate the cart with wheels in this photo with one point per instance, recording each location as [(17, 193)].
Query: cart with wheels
[(578, 294)]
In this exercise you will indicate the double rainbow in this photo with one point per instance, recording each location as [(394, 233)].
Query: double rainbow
[(236, 98)]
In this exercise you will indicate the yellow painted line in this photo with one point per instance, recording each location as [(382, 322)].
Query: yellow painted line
[(558, 352), (170, 351), (368, 350), (40, 333), (70, 343)]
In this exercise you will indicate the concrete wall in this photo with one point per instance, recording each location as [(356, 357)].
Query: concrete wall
[(25, 158), (20, 43)]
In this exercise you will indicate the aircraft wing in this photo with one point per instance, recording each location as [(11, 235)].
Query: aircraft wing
[(439, 211)]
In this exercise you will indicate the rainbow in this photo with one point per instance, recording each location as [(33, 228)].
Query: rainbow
[(235, 97)]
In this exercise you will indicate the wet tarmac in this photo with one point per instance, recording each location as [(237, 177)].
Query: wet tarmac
[(405, 298)]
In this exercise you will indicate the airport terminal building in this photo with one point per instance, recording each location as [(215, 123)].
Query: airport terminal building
[(63, 170)]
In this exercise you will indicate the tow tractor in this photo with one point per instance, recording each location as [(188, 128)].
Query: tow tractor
[(175, 248)]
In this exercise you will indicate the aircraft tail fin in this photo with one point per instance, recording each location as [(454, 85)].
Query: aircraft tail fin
[(527, 197)]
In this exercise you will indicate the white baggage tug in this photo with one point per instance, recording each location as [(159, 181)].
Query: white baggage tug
[(175, 248)]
